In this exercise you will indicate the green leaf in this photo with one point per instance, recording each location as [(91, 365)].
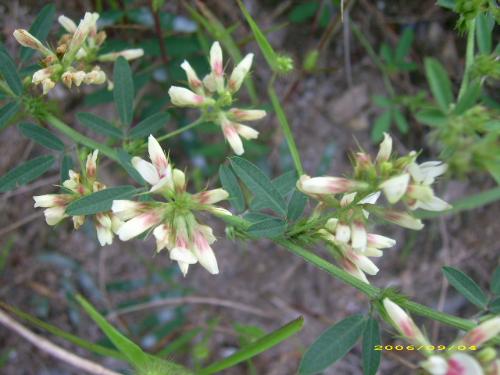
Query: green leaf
[(133, 352), (371, 357), (296, 205), (231, 185), (125, 161), (285, 183), (493, 166), (41, 136), (123, 91), (40, 28), (99, 201), (265, 343), (469, 98), (9, 73), (66, 165), (449, 4), (264, 45), (269, 228), (302, 12), (466, 286), (431, 117), (484, 28), (99, 125), (7, 112), (401, 122), (381, 125), (258, 183), (494, 305), (149, 125), (25, 172), (439, 83), (404, 44), (333, 344), (495, 282)]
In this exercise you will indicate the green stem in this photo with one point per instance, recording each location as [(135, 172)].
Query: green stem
[(374, 292), (80, 138), (181, 130), (469, 56), (373, 55), (285, 128)]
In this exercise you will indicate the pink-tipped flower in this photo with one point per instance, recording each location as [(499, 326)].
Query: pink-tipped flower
[(482, 333), (362, 262), (246, 132), (239, 73), (211, 196), (385, 149), (238, 114), (91, 164), (216, 80), (80, 34), (380, 242), (395, 187), (403, 323), (25, 39), (231, 135), (51, 200), (67, 24), (159, 172), (193, 81), (403, 219), (463, 364), (183, 97), (138, 225), (325, 185), (126, 209), (204, 252), (163, 236)]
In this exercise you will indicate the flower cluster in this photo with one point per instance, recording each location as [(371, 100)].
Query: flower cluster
[(400, 179), (449, 362), (173, 222), (213, 94), (76, 187), (73, 59)]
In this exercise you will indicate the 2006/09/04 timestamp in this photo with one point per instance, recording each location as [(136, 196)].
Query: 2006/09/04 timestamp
[(429, 348)]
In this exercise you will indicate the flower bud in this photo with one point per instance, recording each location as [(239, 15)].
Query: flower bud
[(51, 200), (91, 164), (183, 97), (246, 114), (232, 136), (27, 40), (42, 74), (487, 355), (47, 85), (380, 242), (54, 215), (193, 81), (80, 34), (138, 225), (435, 365), (385, 149), (358, 236), (246, 131), (325, 185), (67, 24), (342, 233), (482, 333), (211, 196), (128, 54), (239, 73), (126, 209), (204, 253), (179, 179), (403, 323), (217, 74), (403, 219)]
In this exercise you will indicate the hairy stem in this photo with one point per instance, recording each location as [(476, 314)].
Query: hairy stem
[(469, 56), (285, 128), (79, 138)]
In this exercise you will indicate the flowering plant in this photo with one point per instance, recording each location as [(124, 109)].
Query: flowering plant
[(307, 215)]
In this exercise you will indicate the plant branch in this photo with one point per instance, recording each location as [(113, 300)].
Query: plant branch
[(78, 137), (285, 128), (181, 130), (52, 349), (469, 57)]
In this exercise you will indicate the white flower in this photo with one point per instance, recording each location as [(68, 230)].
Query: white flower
[(81, 33), (359, 237), (403, 323), (47, 85), (204, 252), (231, 135), (239, 73), (211, 196), (127, 54), (395, 187), (342, 233), (215, 80), (463, 364), (27, 40), (238, 114), (54, 215), (193, 81), (385, 149), (159, 172), (325, 185), (138, 225), (125, 209), (91, 164), (403, 219), (483, 332), (435, 365), (183, 97), (67, 24)]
